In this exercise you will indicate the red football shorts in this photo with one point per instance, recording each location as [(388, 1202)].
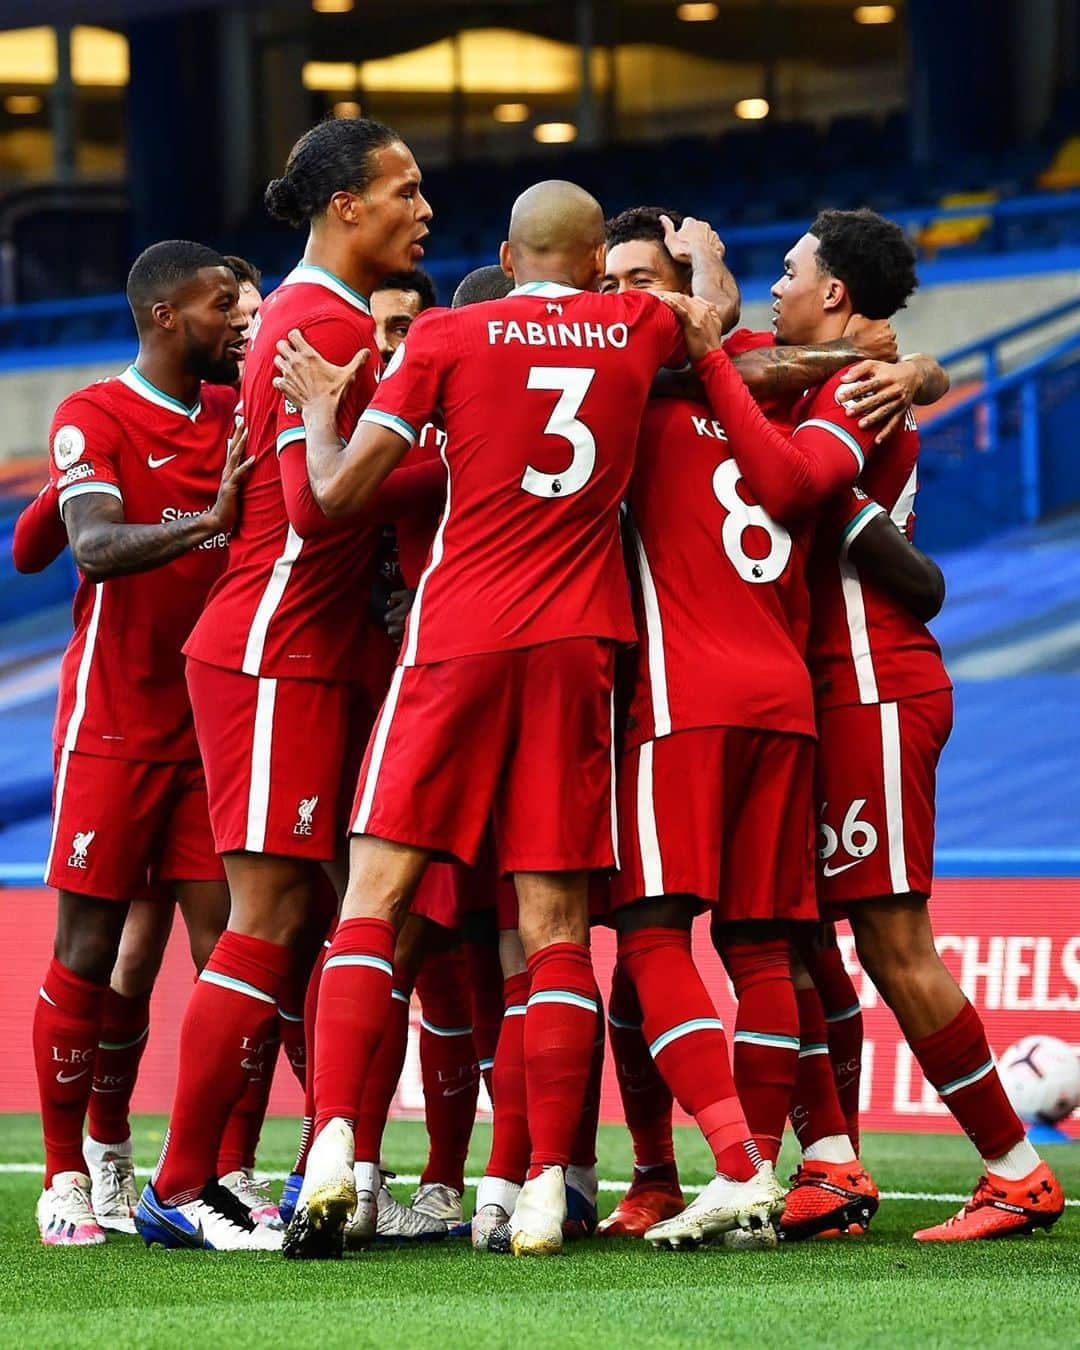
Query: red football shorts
[(724, 814), (521, 739), (121, 825), (876, 770), (280, 759)]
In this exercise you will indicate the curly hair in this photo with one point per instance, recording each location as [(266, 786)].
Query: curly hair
[(643, 222), (872, 256)]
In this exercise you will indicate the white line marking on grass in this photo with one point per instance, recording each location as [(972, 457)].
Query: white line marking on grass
[(605, 1184)]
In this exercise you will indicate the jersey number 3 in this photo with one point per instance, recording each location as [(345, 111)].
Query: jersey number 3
[(740, 516), (572, 385)]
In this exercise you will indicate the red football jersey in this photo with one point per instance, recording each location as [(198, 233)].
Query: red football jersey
[(541, 395), (293, 600), (720, 592), (39, 536), (416, 526), (122, 689), (864, 646)]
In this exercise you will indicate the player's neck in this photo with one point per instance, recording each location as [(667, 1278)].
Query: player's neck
[(561, 276), (163, 373), (335, 257)]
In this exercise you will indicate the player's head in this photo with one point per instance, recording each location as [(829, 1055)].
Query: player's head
[(249, 279), (483, 283), (637, 258), (352, 177), (395, 302), (185, 297), (848, 262), (556, 234)]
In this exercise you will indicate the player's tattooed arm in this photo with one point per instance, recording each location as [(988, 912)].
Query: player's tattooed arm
[(105, 545), (885, 555), (343, 478), (696, 244), (786, 372), (879, 395)]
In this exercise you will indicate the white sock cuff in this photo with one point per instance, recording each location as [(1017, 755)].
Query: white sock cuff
[(833, 1148), (1016, 1164), (497, 1191)]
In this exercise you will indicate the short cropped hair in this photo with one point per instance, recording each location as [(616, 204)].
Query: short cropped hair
[(416, 280), (483, 283)]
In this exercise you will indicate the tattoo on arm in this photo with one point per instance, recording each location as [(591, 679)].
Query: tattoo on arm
[(105, 545), (773, 371), (933, 380)]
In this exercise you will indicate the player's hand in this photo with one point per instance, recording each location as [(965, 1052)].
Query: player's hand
[(873, 337), (222, 515), (700, 320), (398, 612), (693, 237), (306, 377), (879, 394)]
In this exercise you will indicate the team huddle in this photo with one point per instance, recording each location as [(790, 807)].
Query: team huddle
[(460, 630)]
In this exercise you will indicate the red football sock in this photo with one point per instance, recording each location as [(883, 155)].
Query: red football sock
[(646, 1098), (560, 1029), (311, 1006), (957, 1060), (354, 1004), (766, 1038), (510, 1125), (231, 1016), (67, 1023), (384, 1072), (486, 991), (583, 1149), (240, 1138), (448, 1066), (686, 1038), (291, 1032), (125, 1025), (815, 1110), (844, 1025)]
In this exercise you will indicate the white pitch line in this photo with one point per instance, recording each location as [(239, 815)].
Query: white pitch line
[(605, 1184)]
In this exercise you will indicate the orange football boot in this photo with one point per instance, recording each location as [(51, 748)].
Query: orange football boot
[(828, 1200), (1001, 1208), (645, 1203)]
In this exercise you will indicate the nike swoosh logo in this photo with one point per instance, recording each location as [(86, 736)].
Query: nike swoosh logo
[(157, 463), (188, 1238), (71, 1077), (835, 871), (453, 1092)]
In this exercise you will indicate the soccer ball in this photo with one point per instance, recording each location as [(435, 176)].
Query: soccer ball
[(1041, 1076)]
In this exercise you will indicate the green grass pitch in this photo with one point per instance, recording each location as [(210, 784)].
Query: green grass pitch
[(881, 1290)]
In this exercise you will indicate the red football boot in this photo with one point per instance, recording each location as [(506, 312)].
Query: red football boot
[(828, 1200), (648, 1201), (1001, 1208)]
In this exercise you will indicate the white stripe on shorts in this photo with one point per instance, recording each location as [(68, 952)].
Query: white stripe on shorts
[(894, 803), (652, 866), (262, 740), (378, 749), (613, 794)]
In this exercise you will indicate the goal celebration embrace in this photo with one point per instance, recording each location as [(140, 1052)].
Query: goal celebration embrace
[(416, 644)]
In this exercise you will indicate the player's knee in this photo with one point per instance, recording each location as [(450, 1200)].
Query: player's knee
[(88, 938), (543, 925)]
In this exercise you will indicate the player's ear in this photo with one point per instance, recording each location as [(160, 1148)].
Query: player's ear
[(346, 206), (835, 296), (164, 315), (506, 262)]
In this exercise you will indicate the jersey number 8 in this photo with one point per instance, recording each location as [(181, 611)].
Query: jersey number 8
[(740, 516)]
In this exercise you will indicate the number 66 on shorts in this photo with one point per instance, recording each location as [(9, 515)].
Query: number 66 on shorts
[(874, 786)]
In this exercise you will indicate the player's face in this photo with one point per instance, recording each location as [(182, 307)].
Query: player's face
[(798, 296), (213, 326), (641, 265), (393, 213), (393, 312), (248, 305)]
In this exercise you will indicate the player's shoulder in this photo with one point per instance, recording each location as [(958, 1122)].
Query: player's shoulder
[(221, 402), (94, 407), (742, 340), (825, 401), (303, 301)]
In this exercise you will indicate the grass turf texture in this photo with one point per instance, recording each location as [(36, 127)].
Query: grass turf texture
[(880, 1290)]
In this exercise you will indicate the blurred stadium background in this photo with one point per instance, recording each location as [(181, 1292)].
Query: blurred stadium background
[(126, 121)]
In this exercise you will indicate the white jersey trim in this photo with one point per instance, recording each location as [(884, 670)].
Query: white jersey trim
[(654, 632), (613, 789), (61, 783), (85, 489), (412, 634), (858, 634), (262, 741), (545, 290), (139, 384), (267, 606), (652, 866), (82, 678), (312, 275), (840, 434), (905, 503), (390, 422), (894, 800)]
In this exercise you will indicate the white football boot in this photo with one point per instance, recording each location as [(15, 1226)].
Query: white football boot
[(214, 1221), (65, 1216), (495, 1201), (113, 1192), (721, 1207), (438, 1201), (400, 1223), (363, 1221), (327, 1198), (254, 1196), (536, 1225)]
